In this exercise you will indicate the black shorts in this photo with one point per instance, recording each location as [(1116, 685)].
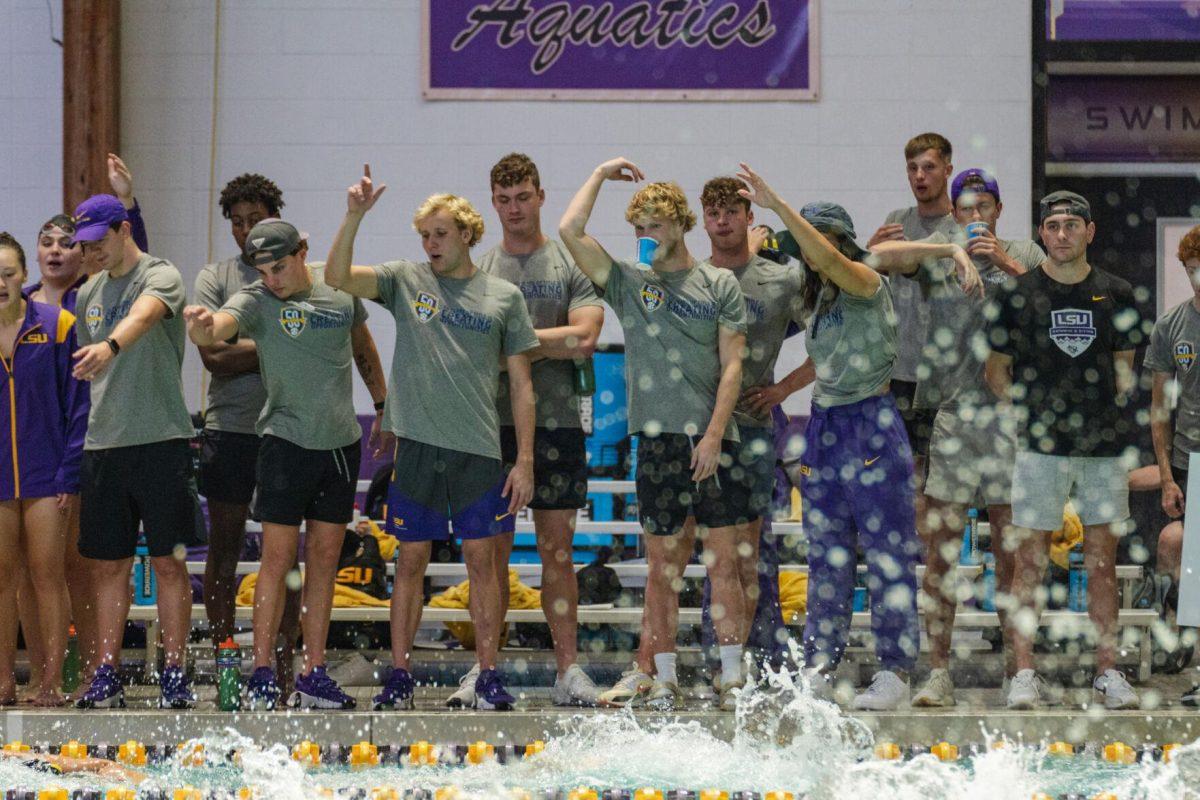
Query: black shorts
[(918, 422), (560, 472), (295, 484), (228, 466), (148, 485), (667, 496)]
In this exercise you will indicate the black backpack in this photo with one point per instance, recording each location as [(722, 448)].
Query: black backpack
[(361, 565)]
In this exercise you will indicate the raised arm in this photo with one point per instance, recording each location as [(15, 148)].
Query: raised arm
[(852, 277), (205, 327), (576, 339), (340, 271), (590, 257), (905, 257)]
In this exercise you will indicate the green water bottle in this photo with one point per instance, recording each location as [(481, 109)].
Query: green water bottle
[(71, 664), (585, 377), (229, 676)]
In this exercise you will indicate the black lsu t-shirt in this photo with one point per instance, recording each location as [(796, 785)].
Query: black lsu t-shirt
[(1062, 338)]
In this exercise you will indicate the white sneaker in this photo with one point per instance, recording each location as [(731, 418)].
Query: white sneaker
[(664, 696), (574, 688), (464, 697), (938, 691), (1026, 691), (886, 693), (1118, 694), (632, 683), (357, 670)]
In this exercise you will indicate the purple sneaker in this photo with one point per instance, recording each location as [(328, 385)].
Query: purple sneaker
[(262, 691), (318, 690), (175, 690), (397, 692), (490, 694), (105, 690)]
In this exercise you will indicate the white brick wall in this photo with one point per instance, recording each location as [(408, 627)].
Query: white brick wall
[(311, 89)]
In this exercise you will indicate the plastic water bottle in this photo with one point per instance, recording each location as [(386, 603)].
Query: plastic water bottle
[(1077, 582), (585, 377), (987, 602), (970, 555), (145, 586), (229, 676), (72, 667)]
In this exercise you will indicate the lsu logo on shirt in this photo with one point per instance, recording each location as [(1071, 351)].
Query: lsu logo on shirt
[(1185, 355), (293, 321), (1072, 329), (652, 296), (36, 338), (426, 306), (93, 317)]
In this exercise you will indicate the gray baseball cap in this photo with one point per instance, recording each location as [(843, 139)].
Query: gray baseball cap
[(1063, 202), (271, 240)]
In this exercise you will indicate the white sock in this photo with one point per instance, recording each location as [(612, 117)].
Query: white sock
[(731, 663), (664, 665)]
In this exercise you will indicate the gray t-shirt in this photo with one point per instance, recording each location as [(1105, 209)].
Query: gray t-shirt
[(852, 343), (672, 356), (772, 302), (234, 401), (1173, 346), (912, 312), (306, 358), (139, 398), (950, 370), (451, 335), (553, 287)]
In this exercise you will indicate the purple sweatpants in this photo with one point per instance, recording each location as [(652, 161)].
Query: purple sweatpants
[(858, 490)]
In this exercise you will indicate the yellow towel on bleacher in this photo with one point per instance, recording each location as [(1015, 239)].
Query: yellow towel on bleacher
[(1063, 540), (387, 542), (343, 596), (793, 594), (520, 596)]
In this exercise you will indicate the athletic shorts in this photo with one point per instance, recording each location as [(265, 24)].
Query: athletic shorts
[(1098, 487), (918, 422), (151, 486), (971, 453), (756, 454), (560, 471), (295, 483), (667, 495), (228, 466), (435, 491)]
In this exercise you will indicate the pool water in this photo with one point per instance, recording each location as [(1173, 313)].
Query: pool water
[(784, 740)]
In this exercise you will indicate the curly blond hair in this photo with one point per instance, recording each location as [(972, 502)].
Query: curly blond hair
[(464, 214), (665, 199)]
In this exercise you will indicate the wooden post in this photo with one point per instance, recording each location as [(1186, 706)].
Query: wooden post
[(91, 95)]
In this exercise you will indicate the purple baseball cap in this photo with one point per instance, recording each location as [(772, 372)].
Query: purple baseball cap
[(96, 215), (980, 178)]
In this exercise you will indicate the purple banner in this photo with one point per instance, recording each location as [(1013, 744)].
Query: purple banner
[(620, 49), (1123, 20), (1128, 118)]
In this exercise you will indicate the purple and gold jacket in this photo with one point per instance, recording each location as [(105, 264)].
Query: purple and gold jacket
[(43, 410)]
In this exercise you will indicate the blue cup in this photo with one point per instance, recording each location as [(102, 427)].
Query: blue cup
[(860, 598), (646, 248), (976, 229)]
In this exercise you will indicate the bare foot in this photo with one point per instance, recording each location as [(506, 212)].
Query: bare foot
[(49, 697)]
